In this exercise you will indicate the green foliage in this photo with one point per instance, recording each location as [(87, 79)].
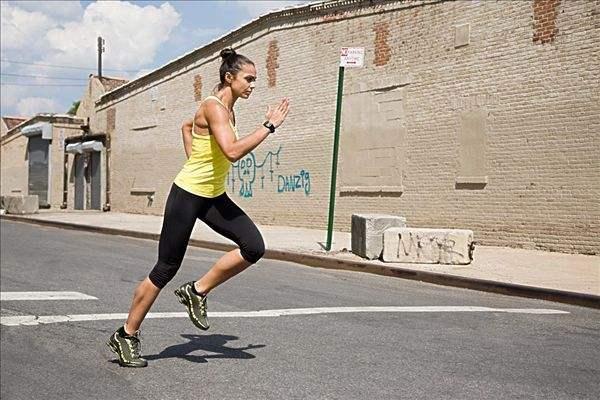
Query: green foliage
[(74, 107)]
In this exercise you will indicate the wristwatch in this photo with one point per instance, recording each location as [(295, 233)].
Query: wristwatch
[(269, 126)]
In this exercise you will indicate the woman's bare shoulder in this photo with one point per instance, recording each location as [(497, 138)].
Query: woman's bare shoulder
[(212, 109)]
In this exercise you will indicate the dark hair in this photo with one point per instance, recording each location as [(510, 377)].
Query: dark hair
[(232, 63)]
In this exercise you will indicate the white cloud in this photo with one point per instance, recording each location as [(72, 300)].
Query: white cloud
[(31, 106), (63, 33), (20, 28), (133, 34), (10, 95), (59, 10), (257, 8)]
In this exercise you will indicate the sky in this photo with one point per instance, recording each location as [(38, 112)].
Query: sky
[(40, 39)]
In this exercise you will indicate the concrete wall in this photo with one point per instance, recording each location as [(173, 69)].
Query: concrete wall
[(470, 114), (86, 109), (59, 133), (14, 166)]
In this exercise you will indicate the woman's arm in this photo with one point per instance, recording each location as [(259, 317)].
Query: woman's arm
[(186, 133), (234, 149)]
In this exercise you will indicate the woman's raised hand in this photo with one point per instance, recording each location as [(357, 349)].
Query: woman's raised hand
[(277, 114)]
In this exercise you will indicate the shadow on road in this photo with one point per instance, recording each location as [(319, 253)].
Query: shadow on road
[(208, 343)]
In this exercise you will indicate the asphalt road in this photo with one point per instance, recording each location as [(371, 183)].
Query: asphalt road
[(451, 353)]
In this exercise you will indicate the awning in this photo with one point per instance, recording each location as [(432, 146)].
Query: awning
[(74, 148), (40, 128), (92, 145)]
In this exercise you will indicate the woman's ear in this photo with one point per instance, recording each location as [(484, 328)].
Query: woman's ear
[(228, 77)]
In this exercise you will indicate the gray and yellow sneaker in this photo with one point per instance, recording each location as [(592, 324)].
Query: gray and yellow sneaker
[(127, 348), (195, 304)]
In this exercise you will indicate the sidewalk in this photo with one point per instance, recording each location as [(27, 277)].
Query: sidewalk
[(568, 278)]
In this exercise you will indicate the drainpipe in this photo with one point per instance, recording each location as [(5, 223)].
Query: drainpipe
[(65, 177), (107, 205)]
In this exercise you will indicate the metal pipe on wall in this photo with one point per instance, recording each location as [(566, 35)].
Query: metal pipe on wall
[(65, 177), (107, 204)]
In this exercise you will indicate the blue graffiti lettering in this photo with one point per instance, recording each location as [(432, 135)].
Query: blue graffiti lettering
[(291, 183)]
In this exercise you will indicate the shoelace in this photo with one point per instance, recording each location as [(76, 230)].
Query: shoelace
[(135, 344), (203, 306)]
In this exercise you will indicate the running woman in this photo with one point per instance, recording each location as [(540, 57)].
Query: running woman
[(211, 144)]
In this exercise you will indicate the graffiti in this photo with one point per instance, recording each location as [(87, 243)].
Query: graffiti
[(244, 173), (246, 170), (292, 183), (440, 249)]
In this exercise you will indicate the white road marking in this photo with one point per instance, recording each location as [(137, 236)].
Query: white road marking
[(11, 296), (50, 319)]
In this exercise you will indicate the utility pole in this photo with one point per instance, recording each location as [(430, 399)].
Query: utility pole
[(100, 51)]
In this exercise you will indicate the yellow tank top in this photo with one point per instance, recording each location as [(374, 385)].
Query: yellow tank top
[(206, 169)]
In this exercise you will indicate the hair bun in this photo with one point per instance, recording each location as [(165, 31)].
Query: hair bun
[(227, 53)]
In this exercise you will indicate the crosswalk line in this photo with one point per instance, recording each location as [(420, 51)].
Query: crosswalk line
[(50, 319), (14, 296)]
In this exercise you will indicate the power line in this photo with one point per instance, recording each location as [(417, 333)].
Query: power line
[(35, 84), (42, 76), (66, 66)]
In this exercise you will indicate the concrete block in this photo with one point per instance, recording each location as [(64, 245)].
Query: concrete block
[(21, 204), (367, 233), (428, 246)]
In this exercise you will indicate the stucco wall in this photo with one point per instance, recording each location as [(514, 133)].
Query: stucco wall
[(14, 165)]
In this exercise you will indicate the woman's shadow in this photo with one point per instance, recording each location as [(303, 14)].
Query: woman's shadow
[(209, 343)]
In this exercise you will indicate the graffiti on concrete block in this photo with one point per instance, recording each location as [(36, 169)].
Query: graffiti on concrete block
[(438, 249), (293, 183)]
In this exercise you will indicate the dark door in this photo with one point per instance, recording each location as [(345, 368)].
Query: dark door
[(96, 184), (79, 181), (38, 168)]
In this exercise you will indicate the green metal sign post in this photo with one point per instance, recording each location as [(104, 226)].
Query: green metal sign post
[(336, 143), (349, 57)]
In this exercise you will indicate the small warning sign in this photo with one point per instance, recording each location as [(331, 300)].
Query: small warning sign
[(352, 56)]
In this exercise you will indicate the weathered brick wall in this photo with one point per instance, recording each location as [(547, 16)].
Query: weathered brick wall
[(516, 81), (14, 166)]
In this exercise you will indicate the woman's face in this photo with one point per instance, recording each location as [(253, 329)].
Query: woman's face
[(242, 83)]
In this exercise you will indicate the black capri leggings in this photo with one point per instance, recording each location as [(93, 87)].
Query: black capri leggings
[(219, 213)]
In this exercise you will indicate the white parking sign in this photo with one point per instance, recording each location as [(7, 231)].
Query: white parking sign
[(352, 56)]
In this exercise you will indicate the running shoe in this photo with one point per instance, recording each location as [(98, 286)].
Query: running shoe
[(127, 348), (194, 304)]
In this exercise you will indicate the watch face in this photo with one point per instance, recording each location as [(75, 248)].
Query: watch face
[(269, 126)]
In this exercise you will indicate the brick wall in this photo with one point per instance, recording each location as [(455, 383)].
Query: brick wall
[(465, 75), (545, 13)]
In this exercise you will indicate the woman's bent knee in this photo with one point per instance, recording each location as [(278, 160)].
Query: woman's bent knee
[(162, 273), (253, 253)]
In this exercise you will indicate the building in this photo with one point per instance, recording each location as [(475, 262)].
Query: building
[(88, 152), (60, 158), (33, 156), (467, 114)]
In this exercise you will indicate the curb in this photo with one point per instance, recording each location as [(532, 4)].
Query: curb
[(312, 260)]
